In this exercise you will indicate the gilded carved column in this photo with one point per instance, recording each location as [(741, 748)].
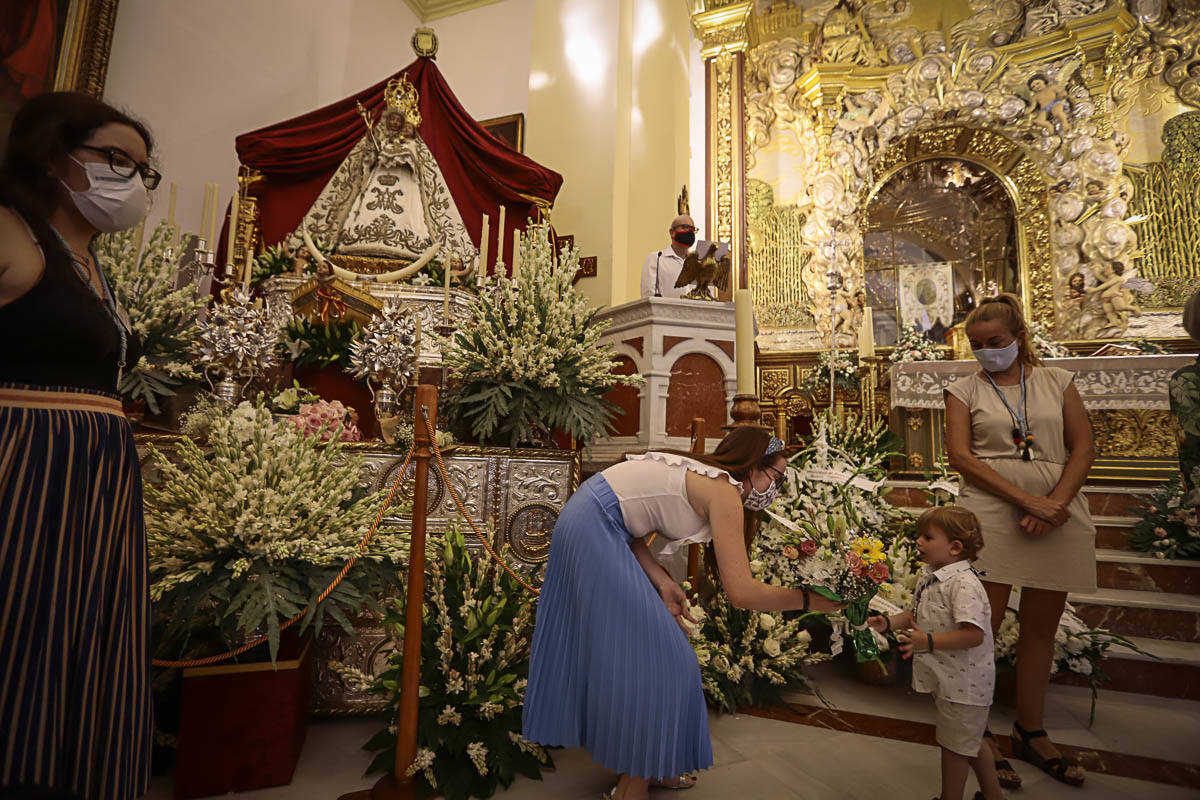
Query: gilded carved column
[(726, 33)]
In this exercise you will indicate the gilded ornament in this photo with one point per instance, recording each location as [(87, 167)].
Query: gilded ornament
[(1133, 433)]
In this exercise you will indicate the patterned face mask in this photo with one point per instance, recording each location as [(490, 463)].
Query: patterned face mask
[(757, 501)]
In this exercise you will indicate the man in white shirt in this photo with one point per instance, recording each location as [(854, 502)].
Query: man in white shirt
[(662, 267)]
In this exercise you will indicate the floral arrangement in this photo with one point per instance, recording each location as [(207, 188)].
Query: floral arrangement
[(748, 657), (239, 337), (163, 317), (1078, 649), (1143, 345), (531, 360), (914, 346), (244, 536), (1043, 345), (307, 343), (289, 400), (845, 373), (476, 634), (1168, 527), (326, 419), (387, 350), (833, 530)]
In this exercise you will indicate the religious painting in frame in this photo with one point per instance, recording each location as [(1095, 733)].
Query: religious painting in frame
[(52, 44), (927, 295), (510, 130)]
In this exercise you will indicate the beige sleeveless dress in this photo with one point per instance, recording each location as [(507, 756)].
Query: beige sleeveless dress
[(1065, 558)]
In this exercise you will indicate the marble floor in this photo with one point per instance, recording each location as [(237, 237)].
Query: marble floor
[(767, 758)]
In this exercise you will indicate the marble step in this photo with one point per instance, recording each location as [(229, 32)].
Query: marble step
[(1127, 569), (1113, 501), (1171, 669), (1154, 615)]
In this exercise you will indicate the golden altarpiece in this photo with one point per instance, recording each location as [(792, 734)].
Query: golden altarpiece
[(912, 158)]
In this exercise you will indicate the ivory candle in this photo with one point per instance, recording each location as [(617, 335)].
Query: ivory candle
[(500, 237), (446, 298), (866, 335), (743, 310), (484, 237), (249, 269), (211, 231), (233, 221), (171, 214), (516, 265), (204, 210)]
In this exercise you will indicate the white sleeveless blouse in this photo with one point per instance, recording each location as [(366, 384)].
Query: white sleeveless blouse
[(653, 496)]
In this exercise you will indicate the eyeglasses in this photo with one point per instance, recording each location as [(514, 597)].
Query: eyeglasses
[(781, 476), (120, 163)]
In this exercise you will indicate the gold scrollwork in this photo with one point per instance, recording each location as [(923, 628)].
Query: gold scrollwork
[(1134, 433), (528, 531), (915, 419), (774, 381), (916, 460), (722, 67)]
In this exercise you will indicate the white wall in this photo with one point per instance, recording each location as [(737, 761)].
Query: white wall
[(202, 72)]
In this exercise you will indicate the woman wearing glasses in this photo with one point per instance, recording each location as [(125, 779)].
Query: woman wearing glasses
[(74, 608), (612, 671)]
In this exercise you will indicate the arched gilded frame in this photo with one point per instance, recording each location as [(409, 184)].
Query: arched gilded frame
[(1022, 179)]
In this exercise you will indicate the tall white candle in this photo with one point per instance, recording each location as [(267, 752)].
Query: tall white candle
[(204, 210), (212, 218), (516, 267), (249, 269), (173, 228), (743, 311), (866, 335), (233, 223), (484, 239), (446, 298), (500, 237)]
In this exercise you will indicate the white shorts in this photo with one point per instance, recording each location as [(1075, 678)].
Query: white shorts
[(960, 727)]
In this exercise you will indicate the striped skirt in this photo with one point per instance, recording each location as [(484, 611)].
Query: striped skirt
[(75, 713), (611, 672)]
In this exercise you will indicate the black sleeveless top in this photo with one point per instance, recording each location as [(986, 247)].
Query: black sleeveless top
[(60, 333)]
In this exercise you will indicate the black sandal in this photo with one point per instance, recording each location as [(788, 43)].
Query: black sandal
[(1054, 767), (1002, 764)]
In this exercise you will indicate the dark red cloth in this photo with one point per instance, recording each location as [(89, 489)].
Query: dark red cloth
[(299, 156)]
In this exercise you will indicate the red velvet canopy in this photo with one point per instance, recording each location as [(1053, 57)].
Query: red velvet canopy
[(297, 158)]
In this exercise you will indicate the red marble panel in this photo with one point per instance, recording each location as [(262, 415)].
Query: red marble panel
[(1146, 677), (696, 389), (1112, 504), (625, 398), (635, 343), (670, 341), (1160, 576), (726, 346), (1112, 537), (1153, 623)]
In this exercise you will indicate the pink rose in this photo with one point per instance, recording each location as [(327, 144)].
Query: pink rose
[(790, 552), (1160, 533), (854, 560), (808, 547), (879, 572)]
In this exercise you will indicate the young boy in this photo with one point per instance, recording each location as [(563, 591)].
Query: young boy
[(947, 632)]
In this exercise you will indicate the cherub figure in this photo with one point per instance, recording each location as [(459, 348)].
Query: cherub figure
[(1077, 288), (849, 319), (1116, 300), (1051, 101)]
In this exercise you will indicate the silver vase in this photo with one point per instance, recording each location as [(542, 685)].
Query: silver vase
[(227, 391), (387, 401)]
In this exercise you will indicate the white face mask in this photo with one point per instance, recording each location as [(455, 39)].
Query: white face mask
[(110, 203), (997, 359)]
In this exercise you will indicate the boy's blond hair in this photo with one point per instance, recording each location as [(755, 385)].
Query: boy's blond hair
[(959, 525)]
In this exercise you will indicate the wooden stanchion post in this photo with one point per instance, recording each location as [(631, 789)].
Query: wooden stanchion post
[(693, 560), (396, 785)]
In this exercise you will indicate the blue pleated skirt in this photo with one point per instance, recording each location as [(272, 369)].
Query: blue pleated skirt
[(611, 672), (75, 714)]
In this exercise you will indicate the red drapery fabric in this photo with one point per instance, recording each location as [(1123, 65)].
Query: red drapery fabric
[(297, 158)]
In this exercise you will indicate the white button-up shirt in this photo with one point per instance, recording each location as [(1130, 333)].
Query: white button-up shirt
[(660, 272), (944, 599)]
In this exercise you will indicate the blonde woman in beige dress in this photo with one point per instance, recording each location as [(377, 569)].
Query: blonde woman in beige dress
[(1018, 433)]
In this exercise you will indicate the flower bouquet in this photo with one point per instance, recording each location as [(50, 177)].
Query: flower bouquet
[(747, 657), (1168, 527), (913, 345), (325, 419)]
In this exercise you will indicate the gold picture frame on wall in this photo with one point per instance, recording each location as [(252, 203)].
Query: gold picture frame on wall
[(509, 129), (52, 45)]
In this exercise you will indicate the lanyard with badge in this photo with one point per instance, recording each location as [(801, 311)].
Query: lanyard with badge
[(1021, 435)]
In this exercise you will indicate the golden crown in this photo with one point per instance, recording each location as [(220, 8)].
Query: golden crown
[(401, 96)]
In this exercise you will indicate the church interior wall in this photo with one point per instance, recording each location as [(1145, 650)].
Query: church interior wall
[(201, 73)]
